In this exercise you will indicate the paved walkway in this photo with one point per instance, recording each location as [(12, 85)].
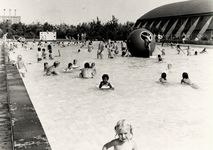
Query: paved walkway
[(20, 127), (5, 123)]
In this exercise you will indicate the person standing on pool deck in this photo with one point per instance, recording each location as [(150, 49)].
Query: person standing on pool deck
[(124, 141)]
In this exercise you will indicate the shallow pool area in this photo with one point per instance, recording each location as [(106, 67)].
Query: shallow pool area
[(77, 116)]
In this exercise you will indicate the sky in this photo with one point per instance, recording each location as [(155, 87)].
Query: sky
[(74, 12)]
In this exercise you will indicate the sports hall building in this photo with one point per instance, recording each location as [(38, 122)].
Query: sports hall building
[(190, 19)]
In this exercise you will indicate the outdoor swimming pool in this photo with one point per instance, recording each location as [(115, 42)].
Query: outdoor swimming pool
[(77, 116)]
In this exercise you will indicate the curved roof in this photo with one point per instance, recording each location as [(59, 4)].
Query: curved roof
[(180, 8)]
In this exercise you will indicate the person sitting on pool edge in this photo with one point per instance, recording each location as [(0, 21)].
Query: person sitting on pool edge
[(104, 84), (86, 72)]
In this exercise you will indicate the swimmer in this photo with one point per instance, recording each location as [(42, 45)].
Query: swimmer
[(21, 66), (39, 55), (179, 49), (93, 68), (162, 51), (160, 59), (101, 46), (86, 72), (124, 141), (163, 78), (50, 55), (75, 64), (188, 49), (110, 50), (203, 51), (69, 68), (187, 81), (46, 66), (169, 68), (104, 84), (90, 47), (44, 53), (59, 53), (116, 51), (52, 69)]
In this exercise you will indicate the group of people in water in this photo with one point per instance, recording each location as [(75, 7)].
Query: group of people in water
[(123, 129), (185, 78), (112, 48), (89, 70)]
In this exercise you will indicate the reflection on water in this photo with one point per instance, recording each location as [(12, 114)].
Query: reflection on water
[(76, 115)]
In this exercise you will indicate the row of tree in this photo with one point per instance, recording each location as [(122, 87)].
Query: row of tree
[(94, 30)]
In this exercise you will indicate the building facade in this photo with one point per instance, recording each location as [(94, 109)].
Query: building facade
[(191, 20), (10, 18)]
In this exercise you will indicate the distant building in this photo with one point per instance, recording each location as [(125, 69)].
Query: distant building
[(189, 20), (47, 36), (10, 19)]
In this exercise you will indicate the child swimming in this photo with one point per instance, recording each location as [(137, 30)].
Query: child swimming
[(179, 49), (93, 68), (162, 51), (160, 59), (69, 68), (50, 55), (75, 64), (44, 53), (46, 66), (86, 72), (203, 51), (185, 80), (52, 69), (39, 55), (104, 84), (163, 78), (169, 69), (188, 49), (90, 47), (21, 66), (124, 141)]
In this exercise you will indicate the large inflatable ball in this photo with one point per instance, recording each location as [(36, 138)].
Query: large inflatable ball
[(141, 43)]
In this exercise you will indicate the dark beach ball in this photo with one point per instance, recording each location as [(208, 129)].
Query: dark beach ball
[(141, 43)]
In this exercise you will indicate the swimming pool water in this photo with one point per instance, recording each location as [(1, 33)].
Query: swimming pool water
[(76, 115)]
